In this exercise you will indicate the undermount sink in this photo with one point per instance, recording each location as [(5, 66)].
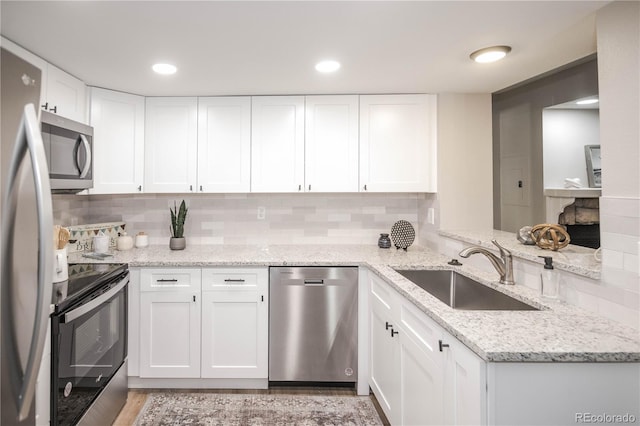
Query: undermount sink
[(461, 292)]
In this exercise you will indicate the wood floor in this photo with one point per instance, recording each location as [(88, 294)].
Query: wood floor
[(137, 397)]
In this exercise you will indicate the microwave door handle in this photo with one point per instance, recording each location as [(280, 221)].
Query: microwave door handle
[(28, 143), (87, 163), (89, 306)]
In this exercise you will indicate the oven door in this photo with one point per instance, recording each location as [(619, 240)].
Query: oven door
[(89, 346)]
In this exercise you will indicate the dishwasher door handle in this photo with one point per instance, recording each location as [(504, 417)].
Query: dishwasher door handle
[(313, 282)]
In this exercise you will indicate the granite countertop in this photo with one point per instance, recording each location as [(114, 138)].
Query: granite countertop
[(557, 333)]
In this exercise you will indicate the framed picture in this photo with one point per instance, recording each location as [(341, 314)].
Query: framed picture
[(594, 169)]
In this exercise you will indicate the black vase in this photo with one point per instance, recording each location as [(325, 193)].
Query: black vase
[(384, 241)]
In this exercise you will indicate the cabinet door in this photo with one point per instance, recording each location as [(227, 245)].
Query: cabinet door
[(235, 315), (465, 385), (118, 127), (66, 95), (421, 365), (169, 334), (398, 143), (171, 144), (277, 145), (224, 144), (331, 143), (384, 361)]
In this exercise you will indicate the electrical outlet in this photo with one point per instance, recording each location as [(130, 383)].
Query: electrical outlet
[(431, 216), (262, 212)]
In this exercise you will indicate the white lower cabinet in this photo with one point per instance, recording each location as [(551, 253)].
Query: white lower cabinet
[(170, 323), (194, 323), (235, 315), (419, 375)]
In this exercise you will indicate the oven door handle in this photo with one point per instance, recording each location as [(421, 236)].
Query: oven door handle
[(89, 306)]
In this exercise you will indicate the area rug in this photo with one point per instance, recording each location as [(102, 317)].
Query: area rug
[(256, 409)]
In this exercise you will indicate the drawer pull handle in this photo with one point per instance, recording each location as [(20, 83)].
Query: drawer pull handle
[(233, 280), (442, 345), (165, 280), (194, 297), (387, 325), (313, 282)]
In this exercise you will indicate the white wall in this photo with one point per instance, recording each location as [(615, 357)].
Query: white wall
[(465, 167), (565, 132), (618, 28)]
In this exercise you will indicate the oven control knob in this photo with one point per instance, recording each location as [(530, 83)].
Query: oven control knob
[(67, 389)]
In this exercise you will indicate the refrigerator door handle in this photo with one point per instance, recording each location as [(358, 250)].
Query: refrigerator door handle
[(28, 143)]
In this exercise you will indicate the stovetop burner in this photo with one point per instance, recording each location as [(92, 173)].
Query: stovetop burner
[(83, 278)]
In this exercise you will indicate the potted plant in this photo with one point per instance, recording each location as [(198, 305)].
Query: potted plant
[(178, 216)]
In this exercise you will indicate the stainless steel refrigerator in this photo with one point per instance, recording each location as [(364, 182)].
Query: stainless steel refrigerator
[(26, 251)]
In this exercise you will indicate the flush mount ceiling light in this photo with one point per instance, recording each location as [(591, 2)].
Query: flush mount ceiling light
[(587, 101), (165, 69), (490, 54), (327, 66)]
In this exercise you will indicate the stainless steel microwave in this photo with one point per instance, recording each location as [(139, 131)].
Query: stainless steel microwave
[(69, 148)]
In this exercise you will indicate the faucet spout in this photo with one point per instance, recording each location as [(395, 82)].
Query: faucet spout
[(502, 264)]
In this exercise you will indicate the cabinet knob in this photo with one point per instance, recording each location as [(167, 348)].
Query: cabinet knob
[(194, 297), (393, 333), (387, 325), (365, 187), (140, 188), (45, 106), (309, 187), (200, 188), (191, 188), (299, 187), (442, 345), (54, 109)]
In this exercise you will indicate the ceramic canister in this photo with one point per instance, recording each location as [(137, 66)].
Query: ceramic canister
[(142, 240), (124, 242)]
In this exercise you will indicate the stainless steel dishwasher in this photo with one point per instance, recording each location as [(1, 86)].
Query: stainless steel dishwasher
[(313, 319)]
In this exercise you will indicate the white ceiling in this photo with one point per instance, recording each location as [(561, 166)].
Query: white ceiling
[(268, 47)]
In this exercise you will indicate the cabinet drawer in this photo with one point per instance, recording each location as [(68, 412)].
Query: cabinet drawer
[(223, 279), (383, 293), (170, 279), (421, 329)]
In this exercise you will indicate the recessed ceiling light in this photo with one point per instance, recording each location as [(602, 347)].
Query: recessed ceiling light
[(490, 54), (327, 66), (165, 69), (587, 101)]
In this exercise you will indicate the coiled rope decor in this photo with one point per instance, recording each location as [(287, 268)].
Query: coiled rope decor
[(549, 236)]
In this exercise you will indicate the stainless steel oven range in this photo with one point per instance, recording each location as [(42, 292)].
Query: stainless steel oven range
[(89, 345)]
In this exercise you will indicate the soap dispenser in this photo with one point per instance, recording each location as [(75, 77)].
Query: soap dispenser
[(549, 279)]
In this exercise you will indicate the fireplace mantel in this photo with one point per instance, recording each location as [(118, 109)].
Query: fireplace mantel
[(559, 198)]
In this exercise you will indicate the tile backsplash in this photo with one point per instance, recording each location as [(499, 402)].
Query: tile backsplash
[(307, 218)]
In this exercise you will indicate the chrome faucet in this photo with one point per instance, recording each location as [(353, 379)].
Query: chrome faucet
[(504, 264)]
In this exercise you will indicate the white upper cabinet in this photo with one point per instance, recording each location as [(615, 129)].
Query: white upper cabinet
[(277, 146), (60, 92), (331, 143), (398, 143), (224, 144), (171, 144), (66, 95), (118, 129)]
